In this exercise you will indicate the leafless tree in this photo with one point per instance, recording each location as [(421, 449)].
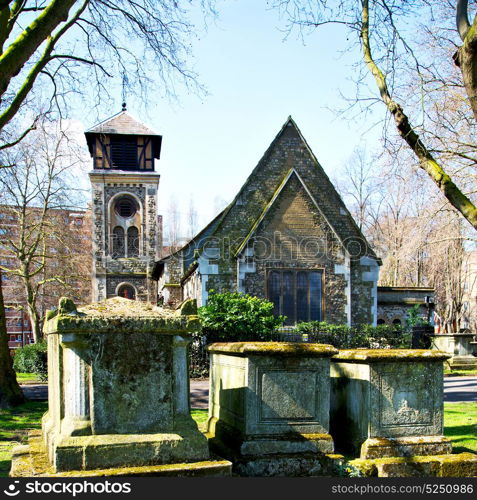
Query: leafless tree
[(51, 49), (358, 185), (445, 266), (173, 225), (192, 219), (38, 196), (390, 52)]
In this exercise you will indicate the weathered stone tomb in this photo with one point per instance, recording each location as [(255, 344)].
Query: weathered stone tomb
[(269, 407), (388, 402), (119, 392), (461, 347)]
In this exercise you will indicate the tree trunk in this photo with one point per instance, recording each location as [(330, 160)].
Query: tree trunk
[(426, 161), (32, 307), (466, 56), (10, 392), (35, 323)]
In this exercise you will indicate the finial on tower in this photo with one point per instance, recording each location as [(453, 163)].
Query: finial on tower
[(124, 107)]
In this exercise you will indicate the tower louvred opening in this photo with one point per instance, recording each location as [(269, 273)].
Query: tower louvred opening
[(124, 152), (125, 207)]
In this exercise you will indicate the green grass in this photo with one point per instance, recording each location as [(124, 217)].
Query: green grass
[(200, 416), (460, 425), (460, 373), (23, 378), (14, 427)]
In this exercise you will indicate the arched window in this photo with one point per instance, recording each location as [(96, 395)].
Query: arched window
[(381, 321), (397, 322), (133, 242), (118, 242), (127, 291)]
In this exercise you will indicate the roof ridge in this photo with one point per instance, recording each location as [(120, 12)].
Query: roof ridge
[(141, 124)]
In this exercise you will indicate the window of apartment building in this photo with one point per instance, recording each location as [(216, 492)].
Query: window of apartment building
[(296, 294)]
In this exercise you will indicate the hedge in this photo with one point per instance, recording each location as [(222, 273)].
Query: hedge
[(32, 358), (351, 337)]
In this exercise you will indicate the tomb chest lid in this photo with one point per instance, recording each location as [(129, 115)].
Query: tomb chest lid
[(276, 349), (389, 355), (120, 315)]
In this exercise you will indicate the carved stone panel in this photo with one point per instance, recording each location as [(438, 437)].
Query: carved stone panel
[(287, 395), (406, 399)]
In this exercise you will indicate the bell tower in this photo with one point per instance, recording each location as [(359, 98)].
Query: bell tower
[(124, 184)]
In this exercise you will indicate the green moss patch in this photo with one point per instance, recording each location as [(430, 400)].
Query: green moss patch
[(274, 348), (369, 355)]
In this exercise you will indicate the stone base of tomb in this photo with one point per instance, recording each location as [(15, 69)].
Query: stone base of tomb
[(462, 363), (405, 447), (31, 460), (289, 455), (458, 465), (87, 452), (292, 465)]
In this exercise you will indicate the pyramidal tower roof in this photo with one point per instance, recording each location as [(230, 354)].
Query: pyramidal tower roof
[(121, 123)]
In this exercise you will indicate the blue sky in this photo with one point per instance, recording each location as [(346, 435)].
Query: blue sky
[(254, 81)]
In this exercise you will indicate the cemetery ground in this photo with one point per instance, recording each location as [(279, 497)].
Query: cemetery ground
[(460, 373), (460, 425)]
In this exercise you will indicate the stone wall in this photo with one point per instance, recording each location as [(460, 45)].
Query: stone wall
[(108, 271), (395, 303), (295, 235)]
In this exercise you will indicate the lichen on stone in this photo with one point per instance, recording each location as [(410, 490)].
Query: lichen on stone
[(274, 348), (120, 314), (370, 355)]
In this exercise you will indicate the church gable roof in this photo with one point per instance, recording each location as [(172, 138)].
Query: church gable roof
[(288, 154)]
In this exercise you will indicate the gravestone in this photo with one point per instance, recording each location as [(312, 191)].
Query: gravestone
[(119, 392), (269, 407), (460, 346), (388, 402)]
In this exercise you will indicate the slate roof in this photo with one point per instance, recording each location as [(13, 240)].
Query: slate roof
[(311, 173), (121, 123), (243, 216)]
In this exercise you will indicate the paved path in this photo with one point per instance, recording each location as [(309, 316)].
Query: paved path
[(199, 397), (456, 389)]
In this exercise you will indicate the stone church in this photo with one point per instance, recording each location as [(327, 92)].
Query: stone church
[(287, 236)]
